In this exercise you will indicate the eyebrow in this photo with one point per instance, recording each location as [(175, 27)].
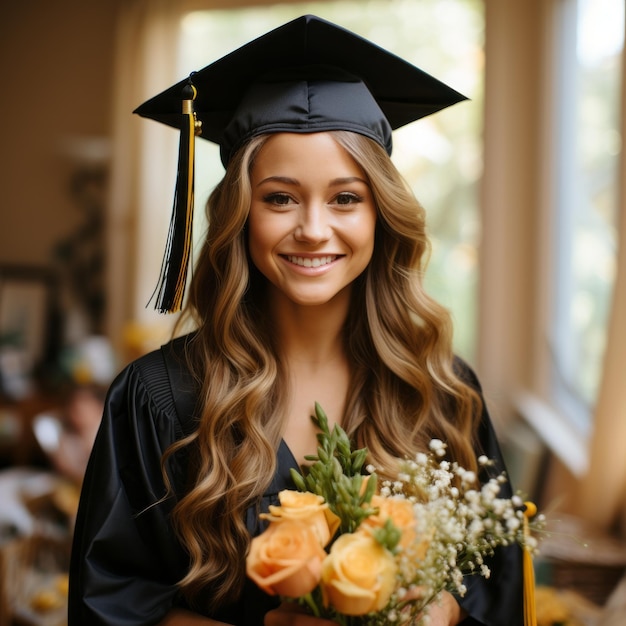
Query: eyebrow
[(292, 181), (279, 179)]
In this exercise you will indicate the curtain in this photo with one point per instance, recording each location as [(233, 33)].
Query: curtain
[(143, 169), (602, 495)]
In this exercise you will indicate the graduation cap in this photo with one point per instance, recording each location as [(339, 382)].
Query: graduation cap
[(306, 76)]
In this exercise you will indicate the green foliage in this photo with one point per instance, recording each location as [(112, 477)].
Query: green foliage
[(336, 475), (388, 536)]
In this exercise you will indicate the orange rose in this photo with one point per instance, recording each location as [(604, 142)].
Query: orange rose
[(306, 507), (399, 511), (286, 559), (358, 576)]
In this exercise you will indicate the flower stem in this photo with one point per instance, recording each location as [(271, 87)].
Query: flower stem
[(310, 602)]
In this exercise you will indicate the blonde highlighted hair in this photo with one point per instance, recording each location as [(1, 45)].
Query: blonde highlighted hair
[(403, 392)]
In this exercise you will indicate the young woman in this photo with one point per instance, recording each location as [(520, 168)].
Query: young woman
[(308, 288)]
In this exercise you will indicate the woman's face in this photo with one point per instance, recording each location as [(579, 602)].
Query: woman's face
[(312, 217)]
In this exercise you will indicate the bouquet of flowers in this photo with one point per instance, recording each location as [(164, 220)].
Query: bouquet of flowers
[(362, 553)]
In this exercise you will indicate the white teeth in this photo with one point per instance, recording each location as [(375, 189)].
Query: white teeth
[(314, 262)]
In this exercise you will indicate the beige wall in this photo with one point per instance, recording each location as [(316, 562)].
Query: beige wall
[(56, 62)]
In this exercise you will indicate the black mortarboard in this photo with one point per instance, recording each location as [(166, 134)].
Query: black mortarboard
[(308, 75)]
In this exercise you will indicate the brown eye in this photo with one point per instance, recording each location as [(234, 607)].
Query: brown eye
[(277, 198), (346, 198)]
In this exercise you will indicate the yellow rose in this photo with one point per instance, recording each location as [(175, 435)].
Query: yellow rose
[(399, 511), (358, 576), (286, 559), (306, 507)]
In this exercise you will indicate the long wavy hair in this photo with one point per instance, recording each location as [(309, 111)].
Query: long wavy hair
[(404, 390)]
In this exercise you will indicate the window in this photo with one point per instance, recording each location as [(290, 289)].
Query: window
[(440, 156), (589, 143)]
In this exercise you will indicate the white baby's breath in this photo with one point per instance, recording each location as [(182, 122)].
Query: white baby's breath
[(461, 522)]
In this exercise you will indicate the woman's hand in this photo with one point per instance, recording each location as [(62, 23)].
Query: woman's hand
[(445, 611), (290, 614)]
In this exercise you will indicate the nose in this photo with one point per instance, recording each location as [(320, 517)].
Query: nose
[(313, 224)]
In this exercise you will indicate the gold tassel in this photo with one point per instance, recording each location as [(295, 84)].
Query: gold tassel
[(173, 276), (530, 606)]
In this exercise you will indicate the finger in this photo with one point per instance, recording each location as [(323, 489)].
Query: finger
[(287, 616)]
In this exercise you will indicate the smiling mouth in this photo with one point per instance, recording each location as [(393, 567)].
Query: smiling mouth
[(317, 261)]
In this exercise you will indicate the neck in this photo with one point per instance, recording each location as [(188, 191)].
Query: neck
[(310, 335)]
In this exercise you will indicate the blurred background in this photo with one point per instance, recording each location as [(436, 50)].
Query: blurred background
[(523, 186)]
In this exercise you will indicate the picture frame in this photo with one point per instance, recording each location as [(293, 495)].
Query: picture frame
[(27, 297)]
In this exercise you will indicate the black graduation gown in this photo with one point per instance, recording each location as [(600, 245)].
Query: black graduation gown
[(126, 560)]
